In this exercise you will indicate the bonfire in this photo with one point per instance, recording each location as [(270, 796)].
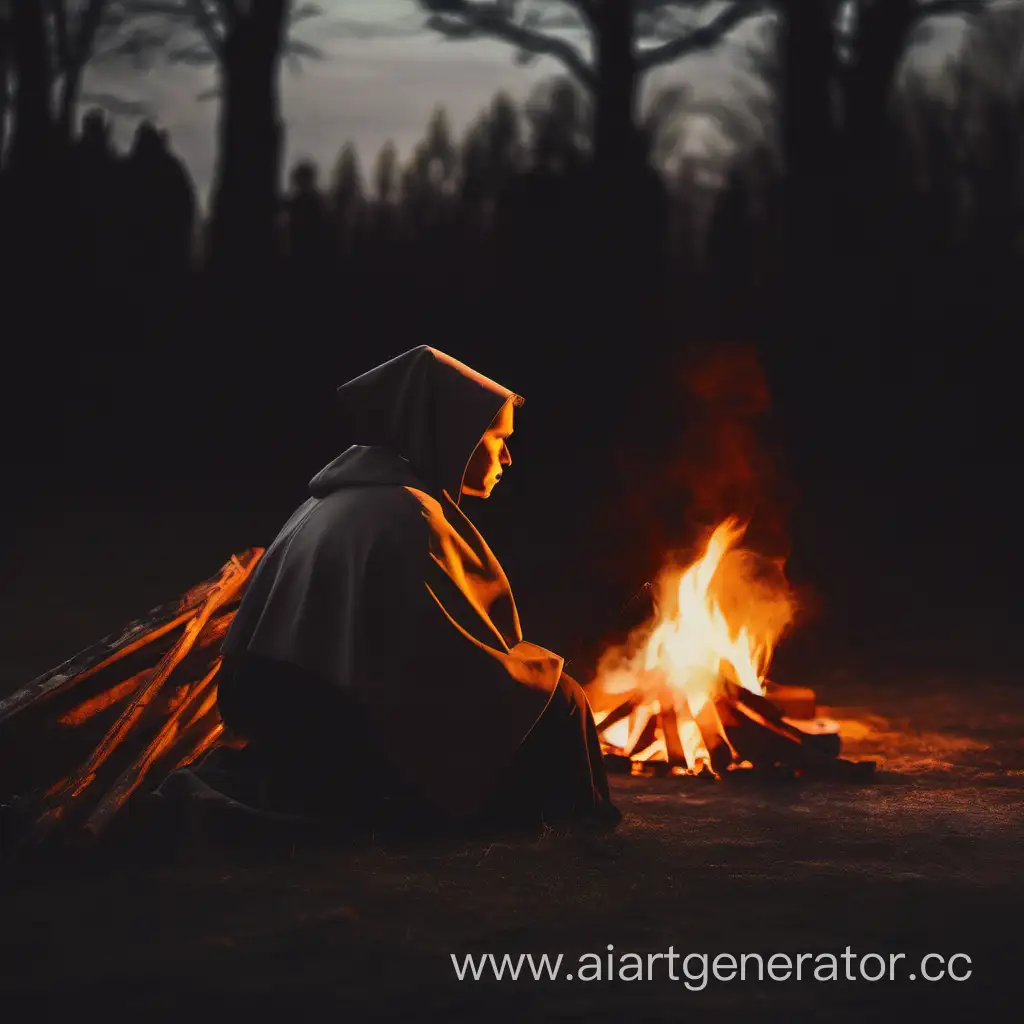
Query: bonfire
[(688, 693)]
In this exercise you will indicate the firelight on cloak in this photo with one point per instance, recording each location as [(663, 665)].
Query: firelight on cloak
[(380, 585)]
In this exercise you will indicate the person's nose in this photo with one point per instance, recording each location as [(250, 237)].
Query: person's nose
[(505, 458)]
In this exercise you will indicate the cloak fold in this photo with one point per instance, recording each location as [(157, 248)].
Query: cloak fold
[(380, 585)]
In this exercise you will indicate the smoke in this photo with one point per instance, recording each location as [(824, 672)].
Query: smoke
[(728, 463)]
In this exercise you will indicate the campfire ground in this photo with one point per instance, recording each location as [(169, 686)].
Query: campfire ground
[(929, 859)]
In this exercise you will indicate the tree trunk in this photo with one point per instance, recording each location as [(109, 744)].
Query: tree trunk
[(810, 157), (243, 239), (32, 214), (32, 138), (77, 52), (871, 203), (5, 73), (613, 200), (881, 42), (615, 95), (70, 89), (808, 71)]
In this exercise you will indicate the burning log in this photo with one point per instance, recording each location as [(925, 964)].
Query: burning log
[(644, 723), (798, 702), (711, 721), (733, 729), (761, 735), (687, 691)]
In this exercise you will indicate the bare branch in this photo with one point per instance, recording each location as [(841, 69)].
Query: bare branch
[(207, 25), (88, 26), (702, 38), (141, 45), (194, 54), (347, 28), (305, 11), (459, 19), (586, 8), (294, 49)]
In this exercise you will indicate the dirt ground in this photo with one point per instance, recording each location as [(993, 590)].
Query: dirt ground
[(926, 860)]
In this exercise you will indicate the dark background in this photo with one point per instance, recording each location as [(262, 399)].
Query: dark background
[(134, 473), (822, 336)]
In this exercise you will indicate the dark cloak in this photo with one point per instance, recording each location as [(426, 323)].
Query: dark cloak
[(381, 586)]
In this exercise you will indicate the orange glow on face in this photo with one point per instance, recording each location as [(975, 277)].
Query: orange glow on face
[(490, 457)]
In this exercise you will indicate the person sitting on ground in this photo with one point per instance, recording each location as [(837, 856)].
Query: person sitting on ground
[(376, 666)]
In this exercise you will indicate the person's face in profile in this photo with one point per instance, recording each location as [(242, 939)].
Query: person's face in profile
[(490, 456)]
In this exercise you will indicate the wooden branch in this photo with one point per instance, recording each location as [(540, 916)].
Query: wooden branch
[(81, 713), (213, 738), (643, 733), (715, 735), (200, 702), (792, 701), (235, 576), (216, 630), (624, 710), (669, 722), (137, 634), (702, 38), (761, 708), (760, 736)]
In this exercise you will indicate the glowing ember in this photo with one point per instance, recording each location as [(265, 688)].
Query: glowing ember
[(716, 621)]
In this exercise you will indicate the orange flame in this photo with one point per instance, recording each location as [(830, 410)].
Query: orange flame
[(719, 618)]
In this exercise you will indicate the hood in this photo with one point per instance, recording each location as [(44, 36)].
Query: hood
[(415, 419)]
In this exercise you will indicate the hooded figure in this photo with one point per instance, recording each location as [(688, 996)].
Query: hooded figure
[(377, 659)]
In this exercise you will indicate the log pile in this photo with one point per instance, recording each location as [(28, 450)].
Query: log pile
[(79, 741), (743, 733)]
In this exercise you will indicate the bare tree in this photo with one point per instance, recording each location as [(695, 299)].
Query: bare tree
[(246, 41), (44, 59), (75, 25), (385, 174), (626, 38), (32, 137)]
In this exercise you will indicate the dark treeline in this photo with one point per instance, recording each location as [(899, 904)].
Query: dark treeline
[(855, 220)]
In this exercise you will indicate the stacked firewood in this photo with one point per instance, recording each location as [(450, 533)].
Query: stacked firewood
[(740, 731), (79, 741)]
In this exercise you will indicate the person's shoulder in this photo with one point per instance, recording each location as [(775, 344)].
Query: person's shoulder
[(383, 510)]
